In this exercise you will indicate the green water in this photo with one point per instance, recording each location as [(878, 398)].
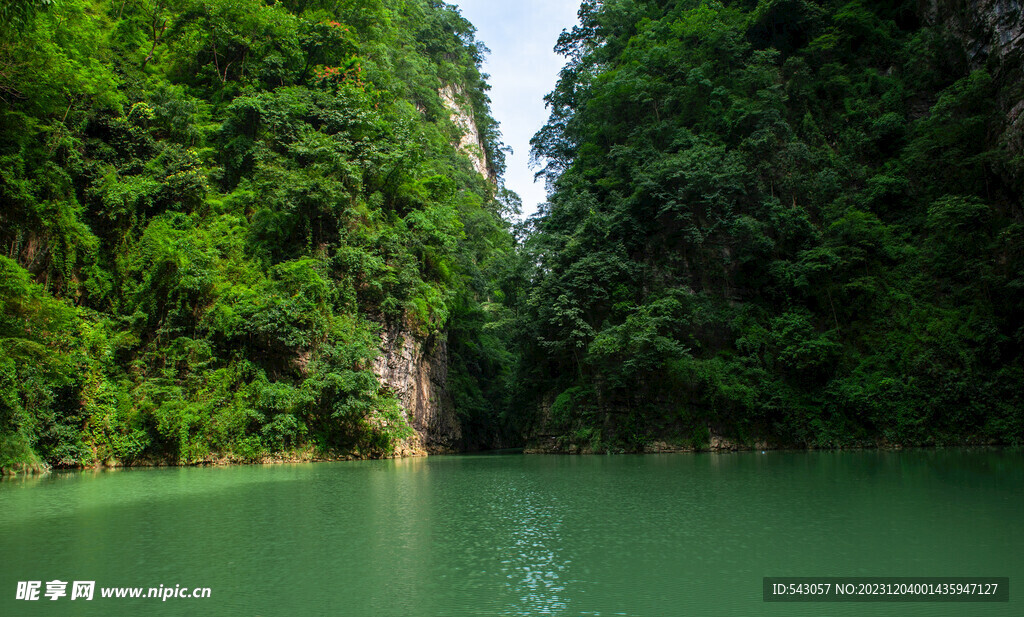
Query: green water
[(518, 535)]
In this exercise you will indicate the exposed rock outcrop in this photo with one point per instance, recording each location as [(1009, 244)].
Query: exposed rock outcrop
[(992, 35), (471, 142), (416, 371), (988, 28)]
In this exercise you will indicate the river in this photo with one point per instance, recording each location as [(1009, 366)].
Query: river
[(645, 535)]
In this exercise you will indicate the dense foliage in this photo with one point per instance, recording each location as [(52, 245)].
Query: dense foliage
[(209, 207), (790, 220), (780, 219)]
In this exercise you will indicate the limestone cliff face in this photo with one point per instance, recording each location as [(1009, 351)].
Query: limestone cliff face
[(992, 34), (471, 143), (416, 370), (989, 28)]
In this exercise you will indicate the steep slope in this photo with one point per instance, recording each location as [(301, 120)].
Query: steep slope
[(242, 229), (415, 368), (785, 220), (991, 33)]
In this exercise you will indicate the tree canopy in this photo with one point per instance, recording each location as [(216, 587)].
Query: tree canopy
[(781, 220), (210, 209)]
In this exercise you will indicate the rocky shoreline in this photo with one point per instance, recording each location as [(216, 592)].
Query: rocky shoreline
[(548, 445), (723, 445), (298, 456)]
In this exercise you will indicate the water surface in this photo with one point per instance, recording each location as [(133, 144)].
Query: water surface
[(646, 535)]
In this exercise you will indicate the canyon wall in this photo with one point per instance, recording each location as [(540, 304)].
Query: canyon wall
[(992, 35), (471, 143), (414, 368)]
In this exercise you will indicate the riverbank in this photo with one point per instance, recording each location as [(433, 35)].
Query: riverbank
[(552, 445), (309, 455)]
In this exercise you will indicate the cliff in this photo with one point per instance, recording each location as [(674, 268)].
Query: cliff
[(416, 371), (471, 143), (992, 35), (193, 245), (988, 28), (849, 167)]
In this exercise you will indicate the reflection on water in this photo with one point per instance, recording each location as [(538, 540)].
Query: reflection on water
[(518, 535), (534, 566)]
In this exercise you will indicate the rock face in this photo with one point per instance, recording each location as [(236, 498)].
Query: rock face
[(471, 143), (992, 34), (988, 28), (417, 372)]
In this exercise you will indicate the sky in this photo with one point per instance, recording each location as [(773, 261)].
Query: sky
[(523, 67)]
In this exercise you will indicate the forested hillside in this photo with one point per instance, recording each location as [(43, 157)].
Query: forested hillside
[(227, 224), (780, 220), (210, 208)]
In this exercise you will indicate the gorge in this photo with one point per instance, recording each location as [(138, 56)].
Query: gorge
[(242, 231)]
